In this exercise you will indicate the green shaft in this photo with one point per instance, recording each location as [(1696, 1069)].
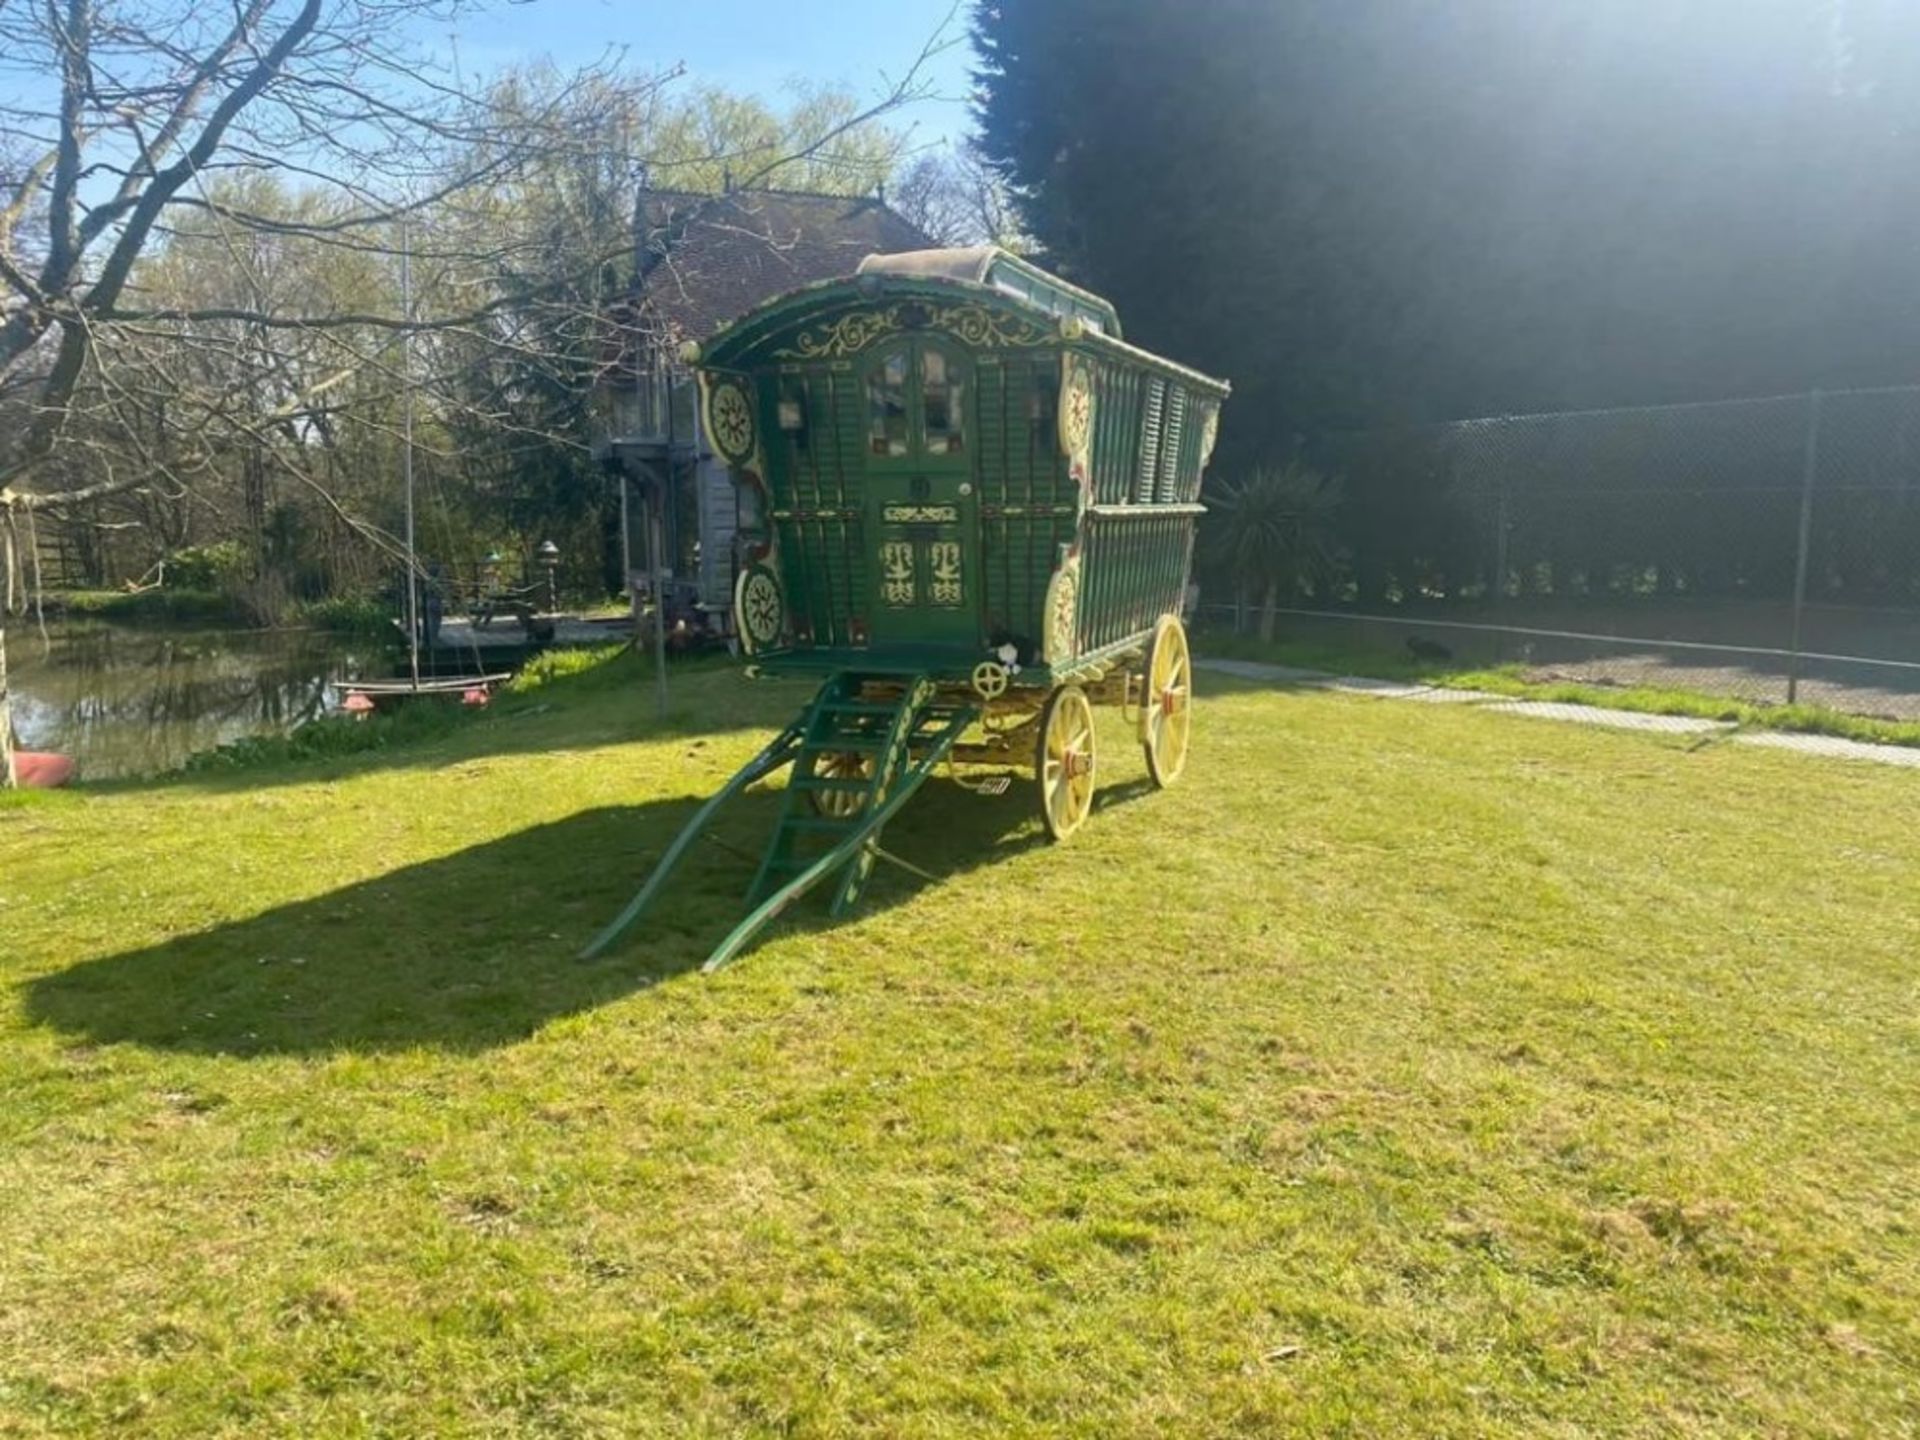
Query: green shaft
[(778, 753)]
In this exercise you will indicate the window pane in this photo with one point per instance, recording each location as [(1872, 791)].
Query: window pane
[(941, 393), (887, 405)]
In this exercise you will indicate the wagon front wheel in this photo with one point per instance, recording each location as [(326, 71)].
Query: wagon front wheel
[(1064, 765), (1166, 710), (840, 804)]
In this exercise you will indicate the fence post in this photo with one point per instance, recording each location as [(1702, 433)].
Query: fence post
[(1809, 469), (1497, 610)]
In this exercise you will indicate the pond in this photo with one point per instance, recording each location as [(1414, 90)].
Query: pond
[(125, 700)]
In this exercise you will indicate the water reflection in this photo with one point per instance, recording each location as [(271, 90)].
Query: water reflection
[(129, 701)]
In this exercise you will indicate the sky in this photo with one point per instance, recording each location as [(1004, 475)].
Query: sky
[(753, 46)]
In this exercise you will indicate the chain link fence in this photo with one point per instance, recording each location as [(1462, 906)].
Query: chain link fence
[(1767, 549)]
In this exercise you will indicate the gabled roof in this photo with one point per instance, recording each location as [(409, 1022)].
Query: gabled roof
[(706, 260)]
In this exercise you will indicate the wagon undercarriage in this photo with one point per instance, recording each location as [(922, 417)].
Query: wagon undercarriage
[(869, 740)]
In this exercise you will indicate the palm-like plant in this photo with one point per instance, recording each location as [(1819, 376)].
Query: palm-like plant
[(1271, 533)]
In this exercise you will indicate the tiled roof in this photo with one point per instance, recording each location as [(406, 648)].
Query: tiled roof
[(708, 259)]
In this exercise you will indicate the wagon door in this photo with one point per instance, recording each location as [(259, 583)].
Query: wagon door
[(920, 501)]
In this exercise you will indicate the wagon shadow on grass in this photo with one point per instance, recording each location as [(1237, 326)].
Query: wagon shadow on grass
[(477, 949)]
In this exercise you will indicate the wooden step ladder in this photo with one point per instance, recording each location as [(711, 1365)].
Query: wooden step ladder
[(860, 749)]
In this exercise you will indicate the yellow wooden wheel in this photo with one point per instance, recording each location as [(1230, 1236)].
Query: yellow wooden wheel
[(1166, 710), (1064, 764), (841, 765)]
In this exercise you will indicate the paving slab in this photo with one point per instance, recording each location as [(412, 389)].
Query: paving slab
[(1446, 695), (1367, 685), (1833, 747), (1609, 719)]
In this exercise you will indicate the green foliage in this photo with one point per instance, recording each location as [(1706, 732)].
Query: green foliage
[(1374, 212), (602, 663), (218, 567), (1272, 534), (347, 615), (171, 605), (503, 416), (333, 736)]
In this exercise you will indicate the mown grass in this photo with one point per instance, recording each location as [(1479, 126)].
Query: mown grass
[(1512, 680), (1404, 1071)]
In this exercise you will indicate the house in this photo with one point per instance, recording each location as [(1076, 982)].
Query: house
[(703, 261)]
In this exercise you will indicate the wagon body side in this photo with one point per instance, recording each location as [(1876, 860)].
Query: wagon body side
[(1055, 515)]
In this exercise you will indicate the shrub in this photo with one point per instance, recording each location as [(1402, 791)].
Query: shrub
[(333, 736), (1271, 535), (346, 615), (219, 566)]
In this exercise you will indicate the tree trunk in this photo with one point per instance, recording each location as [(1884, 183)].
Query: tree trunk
[(1268, 612)]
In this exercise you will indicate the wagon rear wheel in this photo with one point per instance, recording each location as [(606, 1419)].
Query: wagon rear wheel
[(1064, 763), (1166, 711)]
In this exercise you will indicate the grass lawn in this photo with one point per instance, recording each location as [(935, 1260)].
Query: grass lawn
[(1407, 1070)]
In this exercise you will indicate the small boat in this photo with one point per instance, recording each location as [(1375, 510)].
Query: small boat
[(360, 698), (41, 769)]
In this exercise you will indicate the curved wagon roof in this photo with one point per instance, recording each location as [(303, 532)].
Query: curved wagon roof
[(983, 295)]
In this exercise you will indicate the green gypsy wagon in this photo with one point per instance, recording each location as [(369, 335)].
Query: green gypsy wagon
[(970, 507)]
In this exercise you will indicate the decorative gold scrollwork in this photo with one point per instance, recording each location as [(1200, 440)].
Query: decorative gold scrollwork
[(759, 612), (1076, 413), (973, 325), (943, 558), (731, 417), (896, 572), (1063, 612)]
